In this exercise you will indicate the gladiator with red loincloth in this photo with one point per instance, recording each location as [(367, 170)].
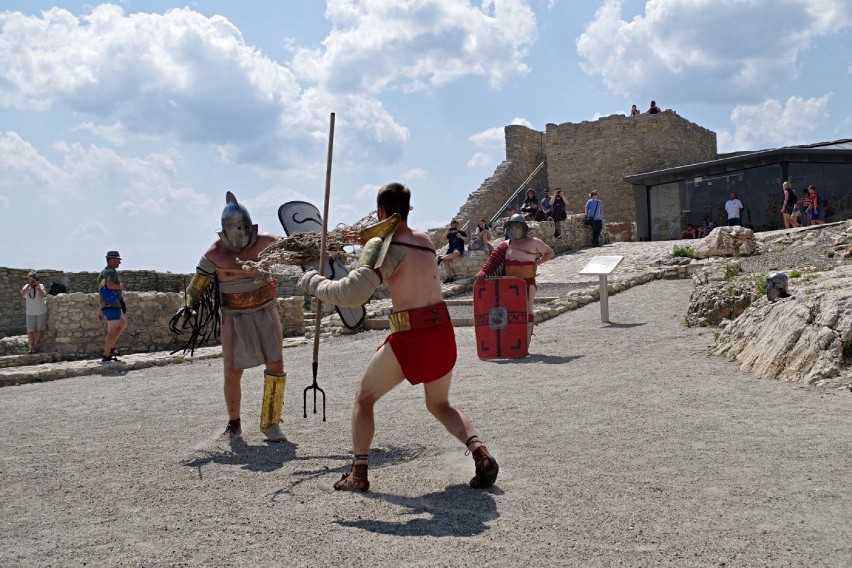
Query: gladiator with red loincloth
[(421, 347), (521, 256)]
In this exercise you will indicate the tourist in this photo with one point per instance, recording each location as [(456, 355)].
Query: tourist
[(789, 206), (734, 207), (456, 239), (111, 300), (36, 310)]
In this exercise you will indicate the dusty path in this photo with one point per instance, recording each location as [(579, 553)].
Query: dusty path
[(620, 445)]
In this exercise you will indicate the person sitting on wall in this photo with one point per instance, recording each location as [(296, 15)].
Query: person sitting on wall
[(530, 208), (653, 109), (690, 232), (456, 240), (546, 206), (705, 228)]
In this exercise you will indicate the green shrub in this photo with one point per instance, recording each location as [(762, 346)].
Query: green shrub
[(683, 251), (732, 270), (760, 284), (847, 350), (830, 254), (795, 273)]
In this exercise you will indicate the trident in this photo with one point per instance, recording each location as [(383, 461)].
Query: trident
[(314, 386)]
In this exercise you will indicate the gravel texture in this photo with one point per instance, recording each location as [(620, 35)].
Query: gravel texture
[(620, 444)]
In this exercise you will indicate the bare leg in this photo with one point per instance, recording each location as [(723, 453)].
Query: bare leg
[(36, 340), (31, 340), (438, 403), (459, 425), (232, 388), (531, 290), (114, 330), (383, 374)]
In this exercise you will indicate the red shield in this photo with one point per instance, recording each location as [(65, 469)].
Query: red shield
[(500, 316)]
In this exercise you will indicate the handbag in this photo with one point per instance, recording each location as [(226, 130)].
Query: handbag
[(587, 221)]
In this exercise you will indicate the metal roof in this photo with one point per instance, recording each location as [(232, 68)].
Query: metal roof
[(839, 151)]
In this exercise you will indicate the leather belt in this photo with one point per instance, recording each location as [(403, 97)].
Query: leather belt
[(524, 271), (419, 318), (248, 300)]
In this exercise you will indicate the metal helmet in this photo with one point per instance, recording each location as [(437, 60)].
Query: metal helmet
[(776, 286), (238, 233), (516, 227)]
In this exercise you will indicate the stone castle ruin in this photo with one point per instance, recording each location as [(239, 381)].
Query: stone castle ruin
[(590, 155)]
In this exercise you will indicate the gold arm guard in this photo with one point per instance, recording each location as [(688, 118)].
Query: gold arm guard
[(273, 399), (378, 239), (196, 287)]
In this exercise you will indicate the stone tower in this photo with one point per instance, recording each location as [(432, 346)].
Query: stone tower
[(590, 155)]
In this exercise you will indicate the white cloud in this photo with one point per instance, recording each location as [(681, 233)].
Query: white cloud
[(414, 173), (772, 124), (89, 231), (385, 44), (23, 166), (480, 160), (4, 202), (367, 193), (113, 134), (183, 75), (702, 50)]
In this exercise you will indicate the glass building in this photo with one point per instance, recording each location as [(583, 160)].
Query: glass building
[(667, 200)]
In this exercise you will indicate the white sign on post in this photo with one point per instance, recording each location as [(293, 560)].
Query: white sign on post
[(603, 266)]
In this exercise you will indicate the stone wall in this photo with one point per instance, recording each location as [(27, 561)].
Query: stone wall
[(74, 327), (597, 155), (13, 306), (575, 235), (591, 155), (524, 152)]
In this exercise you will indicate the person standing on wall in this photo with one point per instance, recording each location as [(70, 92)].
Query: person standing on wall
[(594, 215), (789, 205), (814, 211), (110, 290), (560, 212), (33, 292), (734, 208)]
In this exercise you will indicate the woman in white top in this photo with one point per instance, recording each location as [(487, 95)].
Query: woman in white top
[(33, 292), (482, 238)]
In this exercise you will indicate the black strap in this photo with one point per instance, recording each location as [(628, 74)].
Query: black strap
[(402, 244)]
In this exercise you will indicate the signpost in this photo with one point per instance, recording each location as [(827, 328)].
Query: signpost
[(603, 266)]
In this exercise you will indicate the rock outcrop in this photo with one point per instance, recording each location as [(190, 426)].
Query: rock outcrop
[(726, 241), (806, 338)]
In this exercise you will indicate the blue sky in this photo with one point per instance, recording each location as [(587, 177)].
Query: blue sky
[(122, 125)]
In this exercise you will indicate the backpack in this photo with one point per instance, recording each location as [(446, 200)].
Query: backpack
[(57, 288)]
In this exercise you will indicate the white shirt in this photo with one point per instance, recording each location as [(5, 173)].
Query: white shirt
[(733, 207)]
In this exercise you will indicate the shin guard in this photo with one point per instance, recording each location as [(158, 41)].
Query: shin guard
[(273, 398)]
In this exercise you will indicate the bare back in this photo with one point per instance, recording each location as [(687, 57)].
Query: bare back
[(225, 259), (416, 283)]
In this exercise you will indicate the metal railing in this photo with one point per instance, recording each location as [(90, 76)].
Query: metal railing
[(508, 201)]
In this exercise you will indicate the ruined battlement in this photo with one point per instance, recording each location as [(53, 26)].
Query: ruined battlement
[(591, 155)]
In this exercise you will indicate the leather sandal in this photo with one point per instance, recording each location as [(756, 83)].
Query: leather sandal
[(356, 479), (486, 467)]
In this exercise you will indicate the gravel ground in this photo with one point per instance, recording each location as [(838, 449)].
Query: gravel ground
[(620, 445)]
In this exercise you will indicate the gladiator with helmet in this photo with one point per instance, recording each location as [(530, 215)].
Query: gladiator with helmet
[(521, 256), (250, 324)]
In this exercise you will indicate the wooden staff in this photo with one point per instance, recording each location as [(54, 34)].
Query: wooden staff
[(322, 261)]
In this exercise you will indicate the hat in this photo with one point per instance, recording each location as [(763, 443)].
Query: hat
[(113, 254), (33, 274)]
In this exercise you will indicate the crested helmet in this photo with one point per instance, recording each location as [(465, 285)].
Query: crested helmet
[(238, 232)]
